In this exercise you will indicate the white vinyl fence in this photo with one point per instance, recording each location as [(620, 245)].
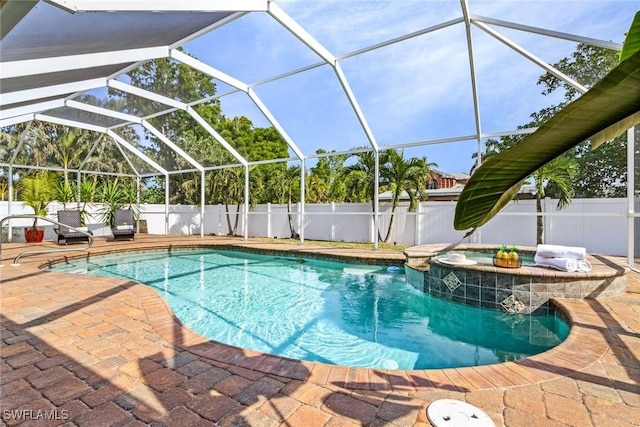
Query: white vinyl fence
[(600, 225)]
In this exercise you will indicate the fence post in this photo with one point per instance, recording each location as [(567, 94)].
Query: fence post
[(372, 231), (269, 219), (416, 240), (9, 205), (333, 222), (547, 221)]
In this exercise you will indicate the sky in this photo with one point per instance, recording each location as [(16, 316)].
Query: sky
[(413, 91)]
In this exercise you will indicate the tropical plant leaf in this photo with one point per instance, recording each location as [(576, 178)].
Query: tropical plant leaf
[(473, 215), (614, 130), (632, 40), (614, 98), (631, 45)]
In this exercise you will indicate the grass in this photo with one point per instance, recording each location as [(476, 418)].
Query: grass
[(353, 245)]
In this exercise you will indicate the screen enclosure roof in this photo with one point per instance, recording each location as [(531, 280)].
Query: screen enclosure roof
[(53, 52)]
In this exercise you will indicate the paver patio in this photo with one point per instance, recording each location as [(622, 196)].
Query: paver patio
[(106, 352)]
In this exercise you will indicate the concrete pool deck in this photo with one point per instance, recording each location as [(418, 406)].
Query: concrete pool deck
[(103, 351)]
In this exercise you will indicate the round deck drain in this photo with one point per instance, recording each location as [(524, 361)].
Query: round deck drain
[(455, 413)]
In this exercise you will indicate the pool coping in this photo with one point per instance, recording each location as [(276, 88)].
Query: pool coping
[(577, 352), (602, 265)]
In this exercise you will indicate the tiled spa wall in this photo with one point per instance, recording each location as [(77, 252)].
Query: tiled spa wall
[(505, 292)]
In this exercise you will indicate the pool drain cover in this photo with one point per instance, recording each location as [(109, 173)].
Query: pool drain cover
[(455, 413)]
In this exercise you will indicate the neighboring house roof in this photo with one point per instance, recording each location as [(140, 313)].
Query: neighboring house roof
[(454, 175), (452, 192)]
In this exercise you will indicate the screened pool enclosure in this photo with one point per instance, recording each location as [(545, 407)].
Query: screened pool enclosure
[(337, 78)]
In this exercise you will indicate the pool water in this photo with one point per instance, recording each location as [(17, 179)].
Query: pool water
[(321, 311)]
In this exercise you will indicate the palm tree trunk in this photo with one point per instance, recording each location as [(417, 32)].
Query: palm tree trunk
[(294, 234), (235, 224), (388, 236), (226, 208), (539, 222)]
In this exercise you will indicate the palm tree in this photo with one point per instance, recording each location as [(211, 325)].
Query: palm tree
[(68, 147), (559, 173), (365, 170), (228, 186), (289, 184), (360, 177), (401, 176)]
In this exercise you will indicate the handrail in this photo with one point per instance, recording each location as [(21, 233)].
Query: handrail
[(25, 253)]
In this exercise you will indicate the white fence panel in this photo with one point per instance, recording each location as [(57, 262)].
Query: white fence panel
[(154, 215), (601, 234), (342, 222), (519, 230), (404, 224), (318, 221), (352, 222), (259, 217), (436, 223), (272, 220), (184, 220)]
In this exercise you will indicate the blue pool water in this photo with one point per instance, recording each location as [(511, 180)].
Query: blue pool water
[(343, 314)]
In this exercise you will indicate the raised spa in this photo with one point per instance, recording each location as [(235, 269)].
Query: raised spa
[(524, 290)]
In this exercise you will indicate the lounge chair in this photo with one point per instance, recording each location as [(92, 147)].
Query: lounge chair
[(67, 235), (123, 225)]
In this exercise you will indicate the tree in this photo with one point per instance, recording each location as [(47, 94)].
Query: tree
[(364, 170), (604, 112), (587, 173), (559, 173), (361, 177), (601, 173), (287, 183), (400, 177), (325, 183), (177, 81), (229, 183), (598, 173), (68, 147)]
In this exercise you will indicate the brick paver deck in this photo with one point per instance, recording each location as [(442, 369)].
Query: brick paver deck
[(89, 351)]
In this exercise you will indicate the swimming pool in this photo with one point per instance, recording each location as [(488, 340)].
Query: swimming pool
[(323, 311)]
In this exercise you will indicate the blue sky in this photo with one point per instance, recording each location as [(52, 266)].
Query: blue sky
[(416, 90)]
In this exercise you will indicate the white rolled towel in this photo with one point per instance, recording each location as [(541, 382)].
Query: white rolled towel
[(557, 251), (563, 264)]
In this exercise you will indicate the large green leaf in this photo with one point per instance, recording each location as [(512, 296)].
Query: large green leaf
[(614, 98), (631, 45), (632, 39)]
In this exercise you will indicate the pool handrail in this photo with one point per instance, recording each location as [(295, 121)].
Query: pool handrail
[(46, 251)]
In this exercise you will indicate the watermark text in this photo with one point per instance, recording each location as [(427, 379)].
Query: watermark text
[(30, 414)]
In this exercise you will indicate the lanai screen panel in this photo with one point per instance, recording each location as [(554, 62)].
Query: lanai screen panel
[(49, 32)]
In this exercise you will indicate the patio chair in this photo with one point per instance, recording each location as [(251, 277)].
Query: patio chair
[(67, 235), (123, 225)]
